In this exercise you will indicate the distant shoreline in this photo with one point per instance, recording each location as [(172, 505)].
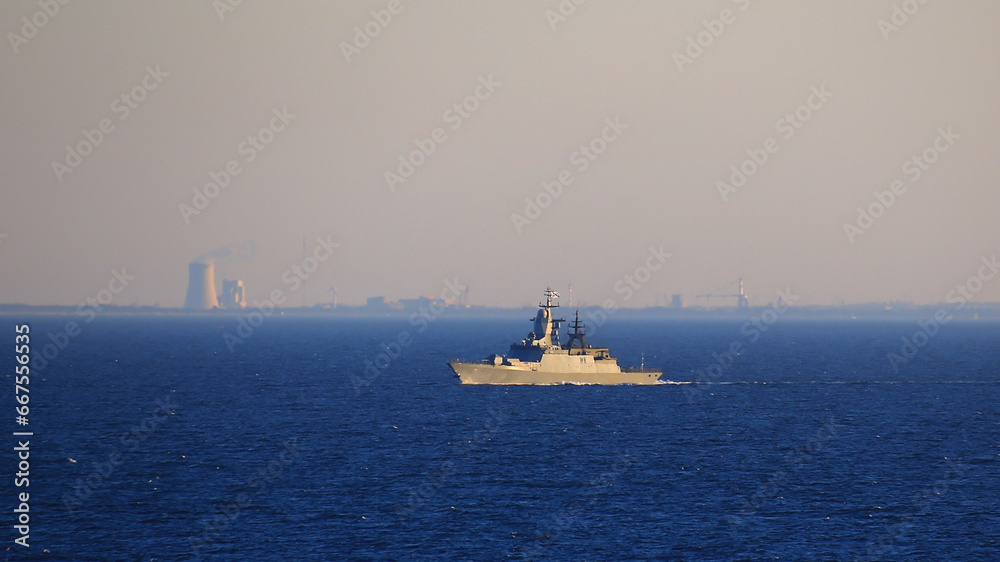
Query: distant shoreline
[(895, 311)]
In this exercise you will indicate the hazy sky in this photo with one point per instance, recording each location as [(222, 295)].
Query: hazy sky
[(208, 82)]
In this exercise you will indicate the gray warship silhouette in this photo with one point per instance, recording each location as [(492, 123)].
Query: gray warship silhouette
[(540, 359)]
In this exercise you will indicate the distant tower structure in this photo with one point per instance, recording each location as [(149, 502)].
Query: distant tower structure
[(742, 300), (201, 287), (233, 294), (570, 295), (677, 301)]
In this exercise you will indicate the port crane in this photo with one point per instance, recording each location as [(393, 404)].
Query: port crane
[(742, 299)]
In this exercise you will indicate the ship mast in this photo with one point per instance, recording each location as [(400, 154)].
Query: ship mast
[(577, 334), (549, 295), (554, 323)]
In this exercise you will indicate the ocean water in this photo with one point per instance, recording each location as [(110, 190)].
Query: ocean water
[(153, 441)]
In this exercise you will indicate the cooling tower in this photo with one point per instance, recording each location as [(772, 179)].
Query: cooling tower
[(201, 287)]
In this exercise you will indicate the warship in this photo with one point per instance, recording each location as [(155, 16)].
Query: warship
[(540, 359)]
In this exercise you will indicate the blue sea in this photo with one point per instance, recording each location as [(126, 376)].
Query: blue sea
[(153, 440)]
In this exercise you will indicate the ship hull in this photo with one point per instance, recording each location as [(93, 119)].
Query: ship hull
[(481, 373)]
